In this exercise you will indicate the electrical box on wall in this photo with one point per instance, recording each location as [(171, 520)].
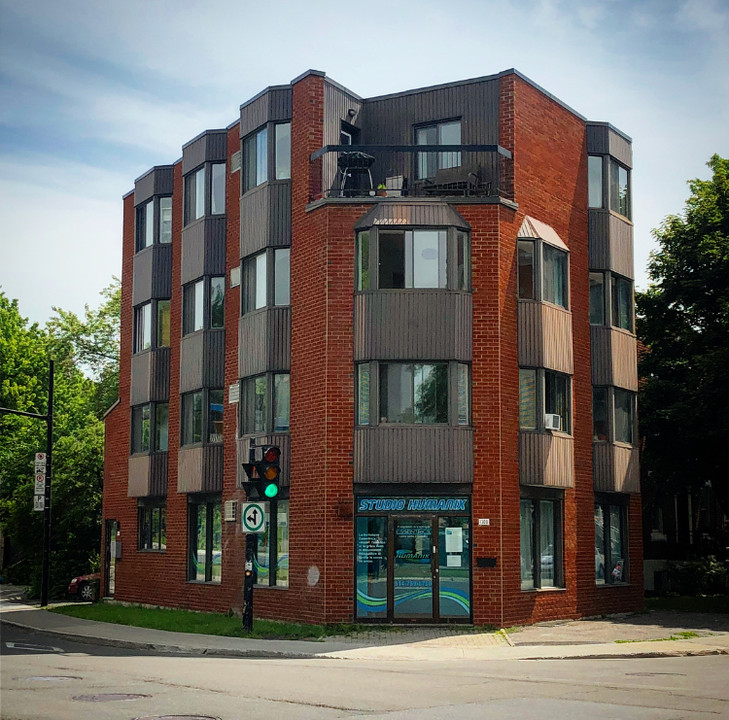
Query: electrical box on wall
[(231, 507)]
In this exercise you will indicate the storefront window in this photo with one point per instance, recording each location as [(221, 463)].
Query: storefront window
[(372, 567), (272, 547), (454, 571)]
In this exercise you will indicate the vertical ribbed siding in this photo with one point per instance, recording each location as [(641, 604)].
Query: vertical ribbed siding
[(211, 146), (138, 472), (272, 105), (150, 376), (160, 375), (615, 468), (265, 214), (611, 243), (428, 325), (158, 181), (597, 139), (264, 341), (413, 455), (200, 469), (202, 360), (545, 336), (337, 104), (620, 148), (141, 374), (546, 460), (158, 474), (203, 249), (614, 357), (391, 120), (282, 440)]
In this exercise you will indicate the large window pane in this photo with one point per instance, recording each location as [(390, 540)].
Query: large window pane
[(363, 394), (215, 416), (619, 189), (624, 416), (192, 307), (464, 395), (392, 260), (622, 292), (463, 266), (217, 189), (527, 399), (141, 428), (165, 220), (616, 567), (217, 302), (200, 193), (547, 544), (396, 393), (255, 407), (557, 399), (427, 162), (371, 557), (283, 151), (414, 393), (255, 159), (554, 277), (599, 545), (597, 298), (430, 390), (148, 223), (594, 175), (260, 281), (163, 323), (450, 134), (161, 427), (362, 270), (143, 330), (526, 269), (599, 414), (282, 277), (428, 259), (281, 402), (526, 544), (192, 412)]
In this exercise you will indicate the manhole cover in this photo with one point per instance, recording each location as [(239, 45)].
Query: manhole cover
[(49, 678), (109, 697), (178, 717)]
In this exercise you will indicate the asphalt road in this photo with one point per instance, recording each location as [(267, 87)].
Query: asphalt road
[(45, 678)]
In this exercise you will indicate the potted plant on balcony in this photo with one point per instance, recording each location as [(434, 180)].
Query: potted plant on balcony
[(382, 190)]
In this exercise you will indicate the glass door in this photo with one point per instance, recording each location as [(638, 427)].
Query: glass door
[(454, 571), (412, 568)]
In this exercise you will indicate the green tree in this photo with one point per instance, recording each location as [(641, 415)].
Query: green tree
[(683, 322), (78, 434)]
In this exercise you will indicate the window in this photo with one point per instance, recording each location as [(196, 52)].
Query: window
[(152, 524), (217, 189), (196, 313), (597, 298), (282, 276), (149, 428), (202, 417), (611, 546), (283, 151), (594, 181), (255, 159), (205, 539), (447, 133), (143, 327), (414, 393), (163, 323), (619, 189), (464, 395), (194, 195), (272, 550), (540, 392), (165, 219), (551, 283), (145, 225), (613, 415), (260, 395), (540, 525), (362, 271), (412, 259), (363, 394), (622, 297), (463, 261)]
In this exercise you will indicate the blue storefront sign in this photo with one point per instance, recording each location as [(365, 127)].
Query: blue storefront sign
[(412, 504)]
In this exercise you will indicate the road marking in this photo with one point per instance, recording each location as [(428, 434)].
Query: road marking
[(32, 646)]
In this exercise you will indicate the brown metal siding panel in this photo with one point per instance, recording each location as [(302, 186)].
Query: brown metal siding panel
[(282, 440), (529, 333), (280, 105), (601, 355), (598, 224), (544, 336), (158, 474), (621, 246), (413, 455), (214, 359), (210, 147), (279, 228), (192, 353), (164, 180), (624, 354), (212, 474), (144, 188), (141, 375), (620, 148), (436, 213), (193, 155), (597, 139), (615, 468), (215, 232), (216, 147), (279, 339), (142, 278), (427, 325), (193, 252), (139, 471), (546, 460), (274, 105), (254, 215), (162, 271), (252, 350), (160, 375), (190, 469)]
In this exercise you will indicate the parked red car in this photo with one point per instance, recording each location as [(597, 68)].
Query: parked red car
[(85, 587)]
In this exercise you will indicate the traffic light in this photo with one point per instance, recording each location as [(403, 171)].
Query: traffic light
[(269, 470), (263, 471)]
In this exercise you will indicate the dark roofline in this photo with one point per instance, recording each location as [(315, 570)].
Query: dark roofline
[(264, 91), (204, 132), (152, 169), (623, 135)]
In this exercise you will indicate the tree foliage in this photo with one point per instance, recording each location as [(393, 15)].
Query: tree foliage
[(683, 322), (79, 349)]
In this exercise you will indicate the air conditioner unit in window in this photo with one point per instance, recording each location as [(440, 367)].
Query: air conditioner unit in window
[(552, 422)]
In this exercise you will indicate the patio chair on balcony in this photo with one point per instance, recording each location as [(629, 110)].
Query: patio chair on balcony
[(352, 165), (452, 181)]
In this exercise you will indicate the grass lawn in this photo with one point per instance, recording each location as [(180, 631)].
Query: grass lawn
[(685, 603), (197, 622)]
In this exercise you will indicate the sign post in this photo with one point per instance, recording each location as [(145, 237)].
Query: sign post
[(253, 519)]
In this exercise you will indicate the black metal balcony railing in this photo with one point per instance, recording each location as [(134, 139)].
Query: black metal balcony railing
[(358, 171)]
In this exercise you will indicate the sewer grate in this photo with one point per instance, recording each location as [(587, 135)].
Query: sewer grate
[(109, 697), (178, 717), (49, 678)]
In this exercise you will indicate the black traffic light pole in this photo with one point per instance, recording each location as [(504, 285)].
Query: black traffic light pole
[(47, 497), (248, 582)]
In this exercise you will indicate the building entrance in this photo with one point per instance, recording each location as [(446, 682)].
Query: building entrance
[(413, 566)]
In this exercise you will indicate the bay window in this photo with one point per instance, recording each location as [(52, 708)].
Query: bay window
[(611, 300), (153, 223), (594, 181), (619, 188), (201, 417), (255, 159), (151, 325), (544, 392), (613, 415), (203, 304), (282, 151), (542, 272), (266, 275), (150, 424), (265, 404)]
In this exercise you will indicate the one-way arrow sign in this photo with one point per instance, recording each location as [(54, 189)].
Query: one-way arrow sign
[(253, 517)]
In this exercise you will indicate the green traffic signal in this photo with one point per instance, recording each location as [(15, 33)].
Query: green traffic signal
[(271, 490)]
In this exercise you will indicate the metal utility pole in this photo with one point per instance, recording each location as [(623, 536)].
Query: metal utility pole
[(48, 418)]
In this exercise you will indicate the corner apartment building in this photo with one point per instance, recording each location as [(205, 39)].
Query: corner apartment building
[(425, 300)]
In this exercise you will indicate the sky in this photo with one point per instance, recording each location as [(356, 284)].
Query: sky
[(94, 93)]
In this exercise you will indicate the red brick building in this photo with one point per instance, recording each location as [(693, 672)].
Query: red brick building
[(426, 301)]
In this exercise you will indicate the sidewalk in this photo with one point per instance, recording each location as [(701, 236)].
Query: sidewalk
[(643, 635)]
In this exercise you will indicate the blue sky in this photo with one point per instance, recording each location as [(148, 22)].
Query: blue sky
[(92, 94)]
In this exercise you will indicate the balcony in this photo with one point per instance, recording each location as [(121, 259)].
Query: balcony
[(355, 172)]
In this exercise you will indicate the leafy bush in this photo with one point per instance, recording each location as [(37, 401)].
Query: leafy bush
[(696, 577)]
